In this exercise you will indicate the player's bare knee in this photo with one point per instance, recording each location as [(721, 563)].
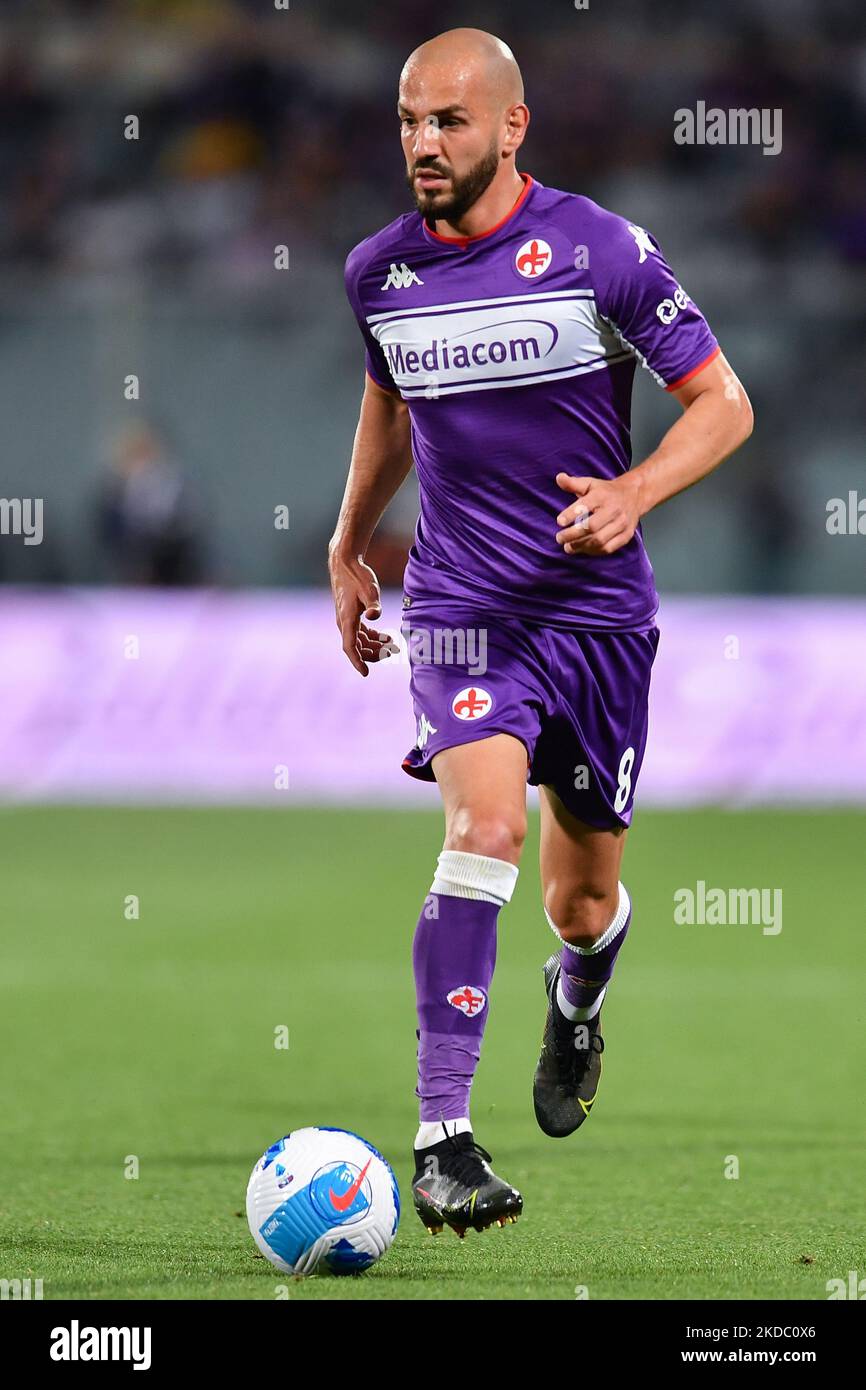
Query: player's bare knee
[(497, 835), (580, 914)]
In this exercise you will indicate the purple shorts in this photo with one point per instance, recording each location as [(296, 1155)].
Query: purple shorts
[(576, 700)]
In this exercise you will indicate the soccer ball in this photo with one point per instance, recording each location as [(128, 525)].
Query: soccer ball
[(322, 1197)]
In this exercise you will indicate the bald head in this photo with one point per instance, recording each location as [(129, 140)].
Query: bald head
[(462, 120), (475, 61)]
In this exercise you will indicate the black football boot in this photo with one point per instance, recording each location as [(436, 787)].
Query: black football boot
[(569, 1068), (454, 1185)]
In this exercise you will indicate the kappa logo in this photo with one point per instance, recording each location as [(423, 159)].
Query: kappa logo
[(533, 258), (472, 703), (642, 242), (400, 277), (425, 729), (469, 999)]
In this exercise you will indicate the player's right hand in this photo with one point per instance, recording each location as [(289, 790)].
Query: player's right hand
[(356, 593)]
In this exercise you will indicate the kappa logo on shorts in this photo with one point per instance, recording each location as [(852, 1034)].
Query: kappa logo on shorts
[(472, 703), (469, 999), (425, 729)]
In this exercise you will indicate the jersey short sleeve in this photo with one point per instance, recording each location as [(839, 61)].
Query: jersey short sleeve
[(375, 361), (639, 295)]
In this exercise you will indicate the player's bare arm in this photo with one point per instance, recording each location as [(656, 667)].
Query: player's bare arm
[(381, 460), (717, 418)]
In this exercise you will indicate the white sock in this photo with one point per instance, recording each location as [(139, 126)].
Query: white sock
[(578, 1013), (616, 926), (582, 1013), (434, 1131)]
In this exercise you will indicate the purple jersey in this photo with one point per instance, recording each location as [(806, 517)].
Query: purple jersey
[(515, 351)]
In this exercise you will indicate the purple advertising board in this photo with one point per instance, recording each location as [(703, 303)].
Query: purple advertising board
[(148, 696)]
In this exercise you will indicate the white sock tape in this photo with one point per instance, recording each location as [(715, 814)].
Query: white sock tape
[(461, 875)]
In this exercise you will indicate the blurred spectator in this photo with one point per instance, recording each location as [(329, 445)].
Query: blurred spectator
[(771, 522), (146, 516)]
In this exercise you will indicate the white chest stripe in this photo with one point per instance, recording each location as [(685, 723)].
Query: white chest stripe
[(488, 344)]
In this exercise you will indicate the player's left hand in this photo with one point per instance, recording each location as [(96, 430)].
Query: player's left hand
[(604, 518)]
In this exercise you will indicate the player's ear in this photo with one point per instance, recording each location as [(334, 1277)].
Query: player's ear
[(516, 121)]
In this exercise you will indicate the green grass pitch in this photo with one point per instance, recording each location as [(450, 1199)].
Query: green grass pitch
[(155, 1038)]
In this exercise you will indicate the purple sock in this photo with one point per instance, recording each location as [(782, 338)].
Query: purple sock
[(586, 972), (453, 954)]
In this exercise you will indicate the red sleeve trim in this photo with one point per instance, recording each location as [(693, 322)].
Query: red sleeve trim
[(699, 368)]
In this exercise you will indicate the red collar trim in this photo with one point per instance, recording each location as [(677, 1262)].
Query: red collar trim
[(465, 240)]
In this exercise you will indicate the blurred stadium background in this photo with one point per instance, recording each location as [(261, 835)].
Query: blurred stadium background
[(259, 128), (154, 256), (167, 641)]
